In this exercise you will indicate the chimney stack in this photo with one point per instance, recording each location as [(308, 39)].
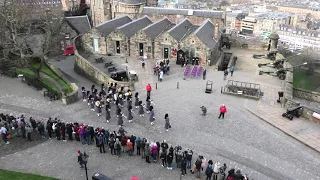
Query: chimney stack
[(216, 31)]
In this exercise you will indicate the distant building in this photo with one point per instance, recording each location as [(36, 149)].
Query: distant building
[(300, 9), (297, 38), (260, 23), (233, 21)]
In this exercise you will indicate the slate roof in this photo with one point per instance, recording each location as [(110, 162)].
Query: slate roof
[(186, 12), (296, 30), (205, 34), (132, 2), (107, 27), (156, 28), (179, 30), (132, 27), (80, 24)]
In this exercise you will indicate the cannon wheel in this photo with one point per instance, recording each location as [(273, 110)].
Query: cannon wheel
[(282, 76), (291, 117), (284, 115)]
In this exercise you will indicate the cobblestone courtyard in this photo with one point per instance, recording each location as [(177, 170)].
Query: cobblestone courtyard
[(241, 140)]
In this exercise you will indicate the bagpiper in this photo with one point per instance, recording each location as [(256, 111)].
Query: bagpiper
[(119, 116), (152, 118), (84, 94), (148, 104), (141, 111), (121, 99), (130, 117), (98, 107), (136, 103), (108, 116)]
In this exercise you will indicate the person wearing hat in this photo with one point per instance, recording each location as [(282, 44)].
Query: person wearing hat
[(223, 110), (141, 111), (167, 122), (152, 118), (80, 160)]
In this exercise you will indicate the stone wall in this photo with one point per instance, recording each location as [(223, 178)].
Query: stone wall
[(288, 97), (141, 37), (165, 40), (202, 51), (308, 95), (88, 70), (111, 40), (88, 42), (252, 45), (70, 97)]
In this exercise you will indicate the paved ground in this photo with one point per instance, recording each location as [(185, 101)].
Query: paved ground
[(241, 140)]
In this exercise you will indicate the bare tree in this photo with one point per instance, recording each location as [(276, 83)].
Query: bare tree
[(50, 24), (15, 24), (33, 31)]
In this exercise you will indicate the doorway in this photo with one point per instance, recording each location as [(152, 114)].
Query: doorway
[(141, 49), (95, 45), (165, 53), (118, 47), (192, 53)]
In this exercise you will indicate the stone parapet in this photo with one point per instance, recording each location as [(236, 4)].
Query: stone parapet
[(289, 92), (308, 95), (83, 67), (70, 97)]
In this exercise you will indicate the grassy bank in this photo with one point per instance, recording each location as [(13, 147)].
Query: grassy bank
[(45, 69), (46, 82), (11, 175), (307, 82)]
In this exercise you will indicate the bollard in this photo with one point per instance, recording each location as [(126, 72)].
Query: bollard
[(177, 85), (156, 85)]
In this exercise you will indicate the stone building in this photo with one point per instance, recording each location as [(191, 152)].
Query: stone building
[(161, 39), (96, 40), (204, 43), (121, 42), (195, 16), (169, 42), (146, 38), (102, 11)]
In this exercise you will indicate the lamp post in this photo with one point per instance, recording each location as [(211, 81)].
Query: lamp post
[(85, 158)]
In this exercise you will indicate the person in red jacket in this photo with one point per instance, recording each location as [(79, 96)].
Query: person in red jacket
[(149, 89), (223, 109)]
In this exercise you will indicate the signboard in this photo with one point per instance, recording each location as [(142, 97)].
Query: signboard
[(95, 45)]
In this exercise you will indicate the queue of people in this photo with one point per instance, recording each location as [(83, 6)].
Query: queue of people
[(119, 143)]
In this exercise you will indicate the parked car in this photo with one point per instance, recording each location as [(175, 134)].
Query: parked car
[(69, 50)]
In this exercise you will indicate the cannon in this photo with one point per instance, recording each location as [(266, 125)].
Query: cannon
[(271, 55), (278, 64), (291, 112), (280, 73)]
